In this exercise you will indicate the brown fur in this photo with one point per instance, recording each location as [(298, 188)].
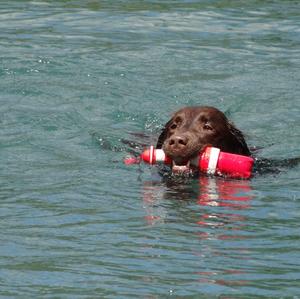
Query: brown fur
[(191, 129)]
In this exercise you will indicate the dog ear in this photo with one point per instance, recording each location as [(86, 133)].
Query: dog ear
[(163, 135), (239, 139)]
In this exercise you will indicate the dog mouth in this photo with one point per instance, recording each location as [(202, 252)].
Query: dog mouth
[(183, 162), (183, 167)]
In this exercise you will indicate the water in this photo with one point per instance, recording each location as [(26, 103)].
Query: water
[(77, 77)]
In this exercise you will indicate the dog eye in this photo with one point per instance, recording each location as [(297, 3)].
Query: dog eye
[(208, 127), (173, 126)]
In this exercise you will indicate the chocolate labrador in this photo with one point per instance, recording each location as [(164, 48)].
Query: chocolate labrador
[(191, 129)]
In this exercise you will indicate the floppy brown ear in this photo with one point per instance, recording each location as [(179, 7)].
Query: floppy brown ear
[(163, 135), (238, 140)]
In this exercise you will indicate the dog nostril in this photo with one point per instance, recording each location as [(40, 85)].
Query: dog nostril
[(178, 141), (182, 142)]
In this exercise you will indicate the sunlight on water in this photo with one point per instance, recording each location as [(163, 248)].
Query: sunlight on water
[(85, 84)]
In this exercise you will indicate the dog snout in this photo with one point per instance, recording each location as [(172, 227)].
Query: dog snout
[(178, 142)]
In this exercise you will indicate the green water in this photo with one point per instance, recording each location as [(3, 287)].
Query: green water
[(77, 77)]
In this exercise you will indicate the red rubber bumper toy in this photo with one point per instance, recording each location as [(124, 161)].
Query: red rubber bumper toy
[(211, 161)]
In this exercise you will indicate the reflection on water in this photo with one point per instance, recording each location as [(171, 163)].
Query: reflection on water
[(219, 216), (209, 191), (221, 192), (76, 78)]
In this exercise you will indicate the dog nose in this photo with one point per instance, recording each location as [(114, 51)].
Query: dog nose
[(178, 141)]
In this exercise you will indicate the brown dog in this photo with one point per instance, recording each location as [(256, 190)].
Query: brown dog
[(191, 129)]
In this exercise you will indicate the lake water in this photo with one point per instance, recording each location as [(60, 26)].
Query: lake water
[(78, 77)]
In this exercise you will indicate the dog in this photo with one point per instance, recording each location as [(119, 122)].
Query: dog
[(191, 129)]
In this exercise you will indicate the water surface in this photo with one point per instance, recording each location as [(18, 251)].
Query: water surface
[(77, 77)]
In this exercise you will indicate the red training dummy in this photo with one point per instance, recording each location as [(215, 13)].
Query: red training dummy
[(211, 161)]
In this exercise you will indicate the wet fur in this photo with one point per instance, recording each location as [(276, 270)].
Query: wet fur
[(191, 129), (227, 137)]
